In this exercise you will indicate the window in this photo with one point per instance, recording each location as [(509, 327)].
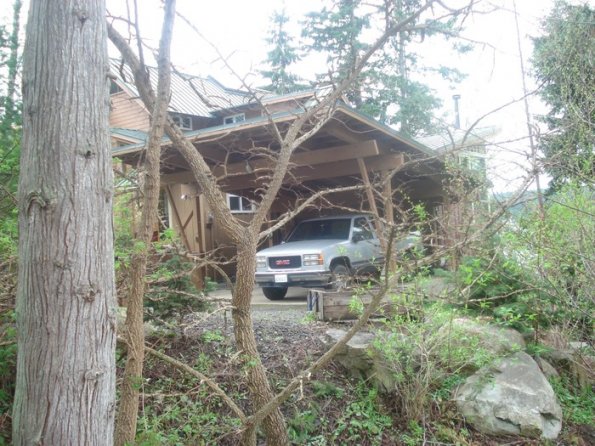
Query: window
[(234, 118), (331, 229), (184, 122), (473, 162), (239, 204), (114, 88), (361, 227)]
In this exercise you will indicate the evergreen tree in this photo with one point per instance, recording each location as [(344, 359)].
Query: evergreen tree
[(10, 132), (564, 62), (281, 56), (386, 90), (337, 32)]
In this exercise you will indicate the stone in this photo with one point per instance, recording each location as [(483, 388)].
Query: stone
[(354, 356), (572, 358), (547, 369), (511, 397), (495, 340), (362, 360)]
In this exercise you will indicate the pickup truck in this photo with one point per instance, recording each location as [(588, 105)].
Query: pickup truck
[(322, 252)]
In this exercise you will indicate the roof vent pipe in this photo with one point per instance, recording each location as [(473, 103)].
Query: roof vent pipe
[(456, 98)]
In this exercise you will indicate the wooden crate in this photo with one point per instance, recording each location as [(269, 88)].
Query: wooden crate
[(334, 305)]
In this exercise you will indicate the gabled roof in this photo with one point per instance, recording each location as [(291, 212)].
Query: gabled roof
[(191, 95), (199, 96)]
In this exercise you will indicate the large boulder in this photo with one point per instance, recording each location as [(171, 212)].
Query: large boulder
[(574, 359), (355, 355), (470, 333), (511, 396), (361, 359)]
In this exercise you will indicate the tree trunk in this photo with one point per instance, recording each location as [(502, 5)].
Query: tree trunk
[(256, 376), (66, 316), (135, 337)]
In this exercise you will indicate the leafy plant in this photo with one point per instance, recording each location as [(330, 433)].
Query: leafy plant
[(327, 389), (8, 363), (363, 418), (578, 406), (304, 424), (553, 254), (213, 336), (425, 360), (414, 434)]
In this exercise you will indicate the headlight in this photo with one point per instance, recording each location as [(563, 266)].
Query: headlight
[(312, 259), (261, 262)]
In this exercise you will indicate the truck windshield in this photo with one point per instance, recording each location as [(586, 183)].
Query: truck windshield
[(335, 229)]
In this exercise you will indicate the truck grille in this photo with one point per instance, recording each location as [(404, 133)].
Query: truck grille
[(285, 262)]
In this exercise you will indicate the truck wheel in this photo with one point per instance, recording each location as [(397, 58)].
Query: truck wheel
[(274, 292), (340, 277)]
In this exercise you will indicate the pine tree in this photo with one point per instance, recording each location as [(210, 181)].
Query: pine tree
[(386, 89), (564, 62), (337, 32), (10, 132), (281, 56)]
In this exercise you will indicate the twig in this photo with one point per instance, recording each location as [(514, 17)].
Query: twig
[(205, 379)]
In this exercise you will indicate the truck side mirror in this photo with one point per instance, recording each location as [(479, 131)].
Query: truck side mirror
[(357, 237)]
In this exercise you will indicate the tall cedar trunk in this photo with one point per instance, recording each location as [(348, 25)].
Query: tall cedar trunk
[(66, 316), (259, 386), (135, 337)]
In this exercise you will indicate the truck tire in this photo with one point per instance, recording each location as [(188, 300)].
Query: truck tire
[(274, 292), (340, 277)]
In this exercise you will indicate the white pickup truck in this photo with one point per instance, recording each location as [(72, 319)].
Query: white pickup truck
[(321, 252)]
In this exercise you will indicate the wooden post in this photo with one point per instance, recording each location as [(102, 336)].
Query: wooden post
[(388, 209), (177, 216), (372, 201)]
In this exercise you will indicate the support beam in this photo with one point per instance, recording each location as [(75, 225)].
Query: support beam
[(387, 192), (338, 130), (372, 201), (389, 213), (319, 171), (172, 202), (299, 159), (313, 157)]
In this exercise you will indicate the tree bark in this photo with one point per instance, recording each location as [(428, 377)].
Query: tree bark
[(134, 334), (66, 318), (256, 375)]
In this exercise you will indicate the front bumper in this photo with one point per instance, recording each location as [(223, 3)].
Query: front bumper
[(314, 279)]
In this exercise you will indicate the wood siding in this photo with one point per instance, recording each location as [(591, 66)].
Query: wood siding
[(127, 113)]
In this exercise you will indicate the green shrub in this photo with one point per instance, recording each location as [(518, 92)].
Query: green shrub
[(426, 364), (578, 405), (8, 361), (363, 419), (554, 254)]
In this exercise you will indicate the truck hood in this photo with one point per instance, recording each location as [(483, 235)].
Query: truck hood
[(299, 248)]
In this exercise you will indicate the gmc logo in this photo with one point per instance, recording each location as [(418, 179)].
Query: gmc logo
[(284, 262)]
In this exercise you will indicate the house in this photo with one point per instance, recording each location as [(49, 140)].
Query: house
[(232, 131), (461, 216)]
